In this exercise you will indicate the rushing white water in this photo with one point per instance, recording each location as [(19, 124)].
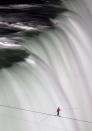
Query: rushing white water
[(58, 73)]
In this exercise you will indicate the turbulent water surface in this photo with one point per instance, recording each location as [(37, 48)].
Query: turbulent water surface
[(57, 73)]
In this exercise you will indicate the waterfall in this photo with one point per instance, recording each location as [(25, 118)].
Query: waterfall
[(58, 72)]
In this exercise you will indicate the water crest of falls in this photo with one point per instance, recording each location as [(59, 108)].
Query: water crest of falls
[(19, 19), (56, 71)]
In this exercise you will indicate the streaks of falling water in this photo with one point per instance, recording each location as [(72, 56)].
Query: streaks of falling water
[(57, 73)]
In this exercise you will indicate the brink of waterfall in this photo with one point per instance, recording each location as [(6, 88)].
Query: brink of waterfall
[(24, 18)]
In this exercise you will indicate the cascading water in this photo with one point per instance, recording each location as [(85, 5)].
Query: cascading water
[(57, 73)]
